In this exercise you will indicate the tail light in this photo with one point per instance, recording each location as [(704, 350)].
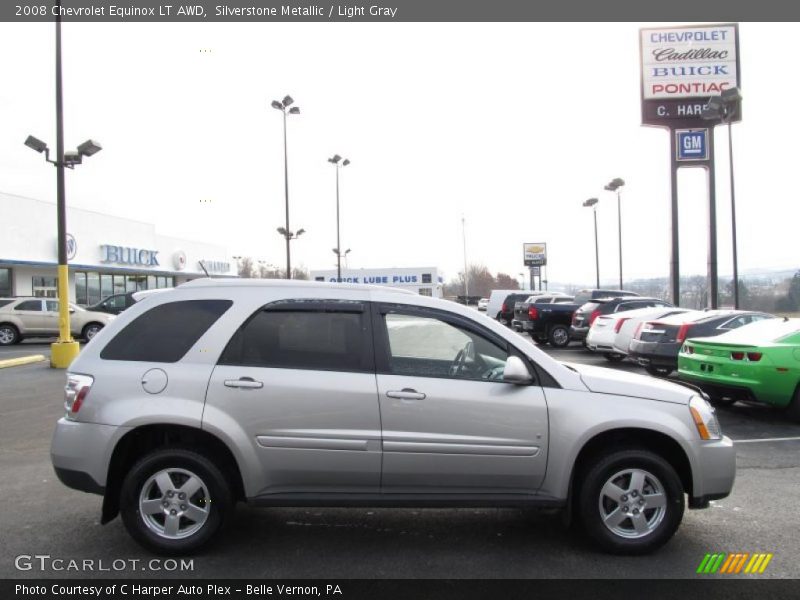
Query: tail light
[(75, 392), (638, 331), (575, 318), (751, 356), (682, 331), (593, 316), (533, 313), (619, 324), (504, 308)]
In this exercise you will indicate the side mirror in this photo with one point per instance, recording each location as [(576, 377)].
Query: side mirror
[(71, 310), (516, 372)]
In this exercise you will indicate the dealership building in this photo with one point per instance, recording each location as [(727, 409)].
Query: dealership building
[(106, 254), (425, 281)]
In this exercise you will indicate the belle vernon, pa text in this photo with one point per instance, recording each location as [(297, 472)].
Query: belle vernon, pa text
[(166, 591)]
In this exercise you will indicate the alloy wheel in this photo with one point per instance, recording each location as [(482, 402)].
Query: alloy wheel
[(174, 503), (632, 503)]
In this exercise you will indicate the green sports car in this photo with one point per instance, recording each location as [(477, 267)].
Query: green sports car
[(760, 362)]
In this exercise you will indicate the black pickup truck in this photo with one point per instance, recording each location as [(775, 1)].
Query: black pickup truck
[(547, 319)]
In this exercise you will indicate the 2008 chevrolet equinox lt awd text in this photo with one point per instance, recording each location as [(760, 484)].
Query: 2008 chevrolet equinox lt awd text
[(283, 393)]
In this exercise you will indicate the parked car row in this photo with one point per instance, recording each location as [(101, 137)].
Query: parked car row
[(31, 317), (731, 354)]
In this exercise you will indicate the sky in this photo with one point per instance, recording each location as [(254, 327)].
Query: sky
[(510, 126)]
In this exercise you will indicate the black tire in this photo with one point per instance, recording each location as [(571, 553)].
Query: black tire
[(793, 410), (590, 499), (538, 340), (9, 335), (658, 371), (91, 330), (614, 357), (558, 336), (219, 501)]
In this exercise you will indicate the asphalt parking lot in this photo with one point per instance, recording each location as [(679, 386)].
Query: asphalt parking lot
[(42, 517)]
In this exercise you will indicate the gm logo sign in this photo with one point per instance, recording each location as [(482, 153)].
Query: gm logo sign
[(691, 144)]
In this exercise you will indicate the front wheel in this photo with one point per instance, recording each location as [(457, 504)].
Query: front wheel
[(8, 335), (174, 501), (559, 336), (631, 501)]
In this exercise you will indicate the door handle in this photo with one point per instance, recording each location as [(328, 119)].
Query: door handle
[(406, 394), (247, 383)]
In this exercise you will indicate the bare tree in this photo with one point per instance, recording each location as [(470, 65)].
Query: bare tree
[(245, 267)]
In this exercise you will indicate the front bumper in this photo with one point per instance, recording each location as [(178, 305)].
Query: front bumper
[(715, 471)]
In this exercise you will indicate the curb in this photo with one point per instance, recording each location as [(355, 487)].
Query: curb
[(22, 360)]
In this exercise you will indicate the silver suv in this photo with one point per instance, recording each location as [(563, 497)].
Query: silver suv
[(283, 393)]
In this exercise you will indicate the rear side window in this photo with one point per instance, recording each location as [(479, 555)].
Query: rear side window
[(320, 340), (4, 302), (166, 332), (29, 305)]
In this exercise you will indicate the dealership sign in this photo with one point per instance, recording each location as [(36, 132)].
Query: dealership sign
[(123, 255), (534, 254), (682, 67)]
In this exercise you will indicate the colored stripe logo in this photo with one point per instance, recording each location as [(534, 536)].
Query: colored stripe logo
[(734, 563)]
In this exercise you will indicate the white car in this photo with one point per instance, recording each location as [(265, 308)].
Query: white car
[(614, 338), (483, 303)]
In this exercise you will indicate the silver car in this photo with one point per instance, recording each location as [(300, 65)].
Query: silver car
[(283, 393)]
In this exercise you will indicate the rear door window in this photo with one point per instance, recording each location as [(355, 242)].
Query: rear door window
[(166, 332), (313, 335), (35, 305)]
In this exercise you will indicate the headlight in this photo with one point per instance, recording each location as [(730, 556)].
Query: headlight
[(705, 419)]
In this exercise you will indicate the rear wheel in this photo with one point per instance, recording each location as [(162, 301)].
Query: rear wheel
[(174, 501), (8, 335), (793, 410), (91, 330), (631, 501), (658, 371), (558, 336), (614, 357)]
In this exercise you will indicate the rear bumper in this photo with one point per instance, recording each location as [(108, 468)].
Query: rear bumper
[(80, 453), (654, 354), (578, 333)]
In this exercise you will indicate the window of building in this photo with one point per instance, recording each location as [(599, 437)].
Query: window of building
[(5, 282), (165, 333), (425, 292), (80, 288), (302, 339), (44, 286), (319, 279), (426, 278)]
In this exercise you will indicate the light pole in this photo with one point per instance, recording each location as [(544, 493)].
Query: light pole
[(593, 203), (335, 161), (283, 106), (466, 273), (723, 108), (65, 349), (289, 235), (613, 186)]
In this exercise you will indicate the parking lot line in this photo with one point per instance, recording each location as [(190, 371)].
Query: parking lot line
[(767, 440), (22, 360)]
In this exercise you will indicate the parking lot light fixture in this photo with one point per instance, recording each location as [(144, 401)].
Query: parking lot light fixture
[(335, 161), (65, 349), (614, 186), (592, 203), (723, 109), (283, 105)]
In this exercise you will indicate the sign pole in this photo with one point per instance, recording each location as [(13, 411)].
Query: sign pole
[(713, 277), (674, 263)]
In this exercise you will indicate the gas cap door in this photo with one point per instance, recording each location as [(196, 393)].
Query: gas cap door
[(154, 381)]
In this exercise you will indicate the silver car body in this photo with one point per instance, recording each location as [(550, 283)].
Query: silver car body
[(330, 437)]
